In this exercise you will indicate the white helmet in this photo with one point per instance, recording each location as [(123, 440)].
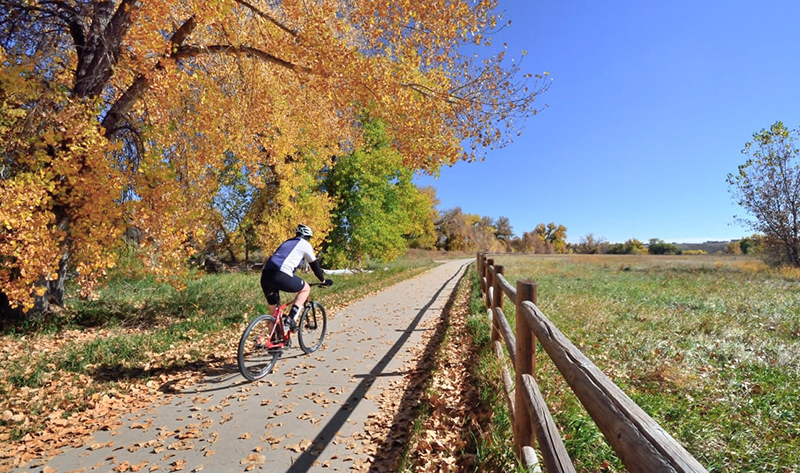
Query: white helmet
[(303, 231)]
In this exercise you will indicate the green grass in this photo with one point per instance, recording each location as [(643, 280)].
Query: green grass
[(709, 347)]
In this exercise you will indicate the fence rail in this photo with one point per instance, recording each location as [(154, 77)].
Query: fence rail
[(641, 443)]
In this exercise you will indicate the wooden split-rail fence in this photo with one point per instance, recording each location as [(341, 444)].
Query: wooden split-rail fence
[(641, 444)]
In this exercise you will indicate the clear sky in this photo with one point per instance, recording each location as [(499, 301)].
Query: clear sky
[(650, 105)]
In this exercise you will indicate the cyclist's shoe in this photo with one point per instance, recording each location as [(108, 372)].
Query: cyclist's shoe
[(289, 323), (289, 320)]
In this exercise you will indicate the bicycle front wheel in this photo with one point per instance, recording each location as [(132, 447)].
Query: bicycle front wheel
[(313, 324), (255, 359)]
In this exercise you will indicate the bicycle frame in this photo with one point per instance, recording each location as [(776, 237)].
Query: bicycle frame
[(284, 339), (278, 314)]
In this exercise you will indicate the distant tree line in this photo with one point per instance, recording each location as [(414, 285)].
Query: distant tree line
[(460, 231), (457, 230), (590, 244)]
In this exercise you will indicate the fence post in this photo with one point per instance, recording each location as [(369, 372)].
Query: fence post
[(497, 301), (526, 364), (479, 267), (489, 281)]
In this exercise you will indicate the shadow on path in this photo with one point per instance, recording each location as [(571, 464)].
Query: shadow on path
[(389, 453), (306, 460)]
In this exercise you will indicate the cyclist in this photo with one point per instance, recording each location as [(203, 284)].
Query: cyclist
[(278, 271)]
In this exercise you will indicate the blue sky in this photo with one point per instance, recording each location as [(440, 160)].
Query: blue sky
[(650, 105)]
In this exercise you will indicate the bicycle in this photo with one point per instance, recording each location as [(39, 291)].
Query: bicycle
[(264, 340)]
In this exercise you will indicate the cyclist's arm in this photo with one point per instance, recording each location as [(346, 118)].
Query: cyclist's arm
[(317, 269)]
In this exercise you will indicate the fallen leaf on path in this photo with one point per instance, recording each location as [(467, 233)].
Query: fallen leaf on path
[(122, 467), (299, 447), (139, 466)]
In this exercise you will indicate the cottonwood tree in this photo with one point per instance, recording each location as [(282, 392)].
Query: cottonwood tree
[(377, 206), (591, 245), (453, 230), (530, 242), (630, 247), (460, 231), (503, 229), (119, 113), (658, 246), (554, 235), (767, 186), (425, 214)]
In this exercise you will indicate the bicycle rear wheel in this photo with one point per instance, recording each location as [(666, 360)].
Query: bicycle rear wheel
[(313, 324), (255, 359)]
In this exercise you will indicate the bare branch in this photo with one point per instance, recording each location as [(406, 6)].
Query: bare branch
[(266, 17), (188, 51)]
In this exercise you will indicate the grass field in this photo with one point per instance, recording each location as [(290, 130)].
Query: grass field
[(708, 346)]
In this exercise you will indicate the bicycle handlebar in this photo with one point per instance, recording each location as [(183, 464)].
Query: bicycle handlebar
[(320, 284)]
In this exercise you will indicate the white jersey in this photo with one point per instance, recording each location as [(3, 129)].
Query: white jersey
[(290, 254)]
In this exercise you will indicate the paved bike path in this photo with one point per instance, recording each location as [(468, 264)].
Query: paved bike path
[(313, 413)]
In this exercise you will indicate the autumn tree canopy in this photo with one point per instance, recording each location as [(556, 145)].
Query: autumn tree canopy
[(120, 114), (767, 187), (460, 231)]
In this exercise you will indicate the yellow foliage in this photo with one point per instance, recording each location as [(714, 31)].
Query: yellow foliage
[(791, 273), (278, 85), (750, 265)]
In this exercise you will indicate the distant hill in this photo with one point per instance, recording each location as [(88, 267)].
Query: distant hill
[(709, 247)]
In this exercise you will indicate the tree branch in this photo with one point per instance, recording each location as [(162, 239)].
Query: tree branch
[(189, 51), (183, 32), (266, 17), (117, 112), (115, 115), (136, 90)]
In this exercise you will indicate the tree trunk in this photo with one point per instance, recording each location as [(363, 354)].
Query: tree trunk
[(232, 254)]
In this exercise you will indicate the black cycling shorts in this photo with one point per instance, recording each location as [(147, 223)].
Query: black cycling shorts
[(274, 280)]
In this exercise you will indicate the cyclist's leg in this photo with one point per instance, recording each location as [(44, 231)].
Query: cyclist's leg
[(270, 290), (302, 296), (295, 284)]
